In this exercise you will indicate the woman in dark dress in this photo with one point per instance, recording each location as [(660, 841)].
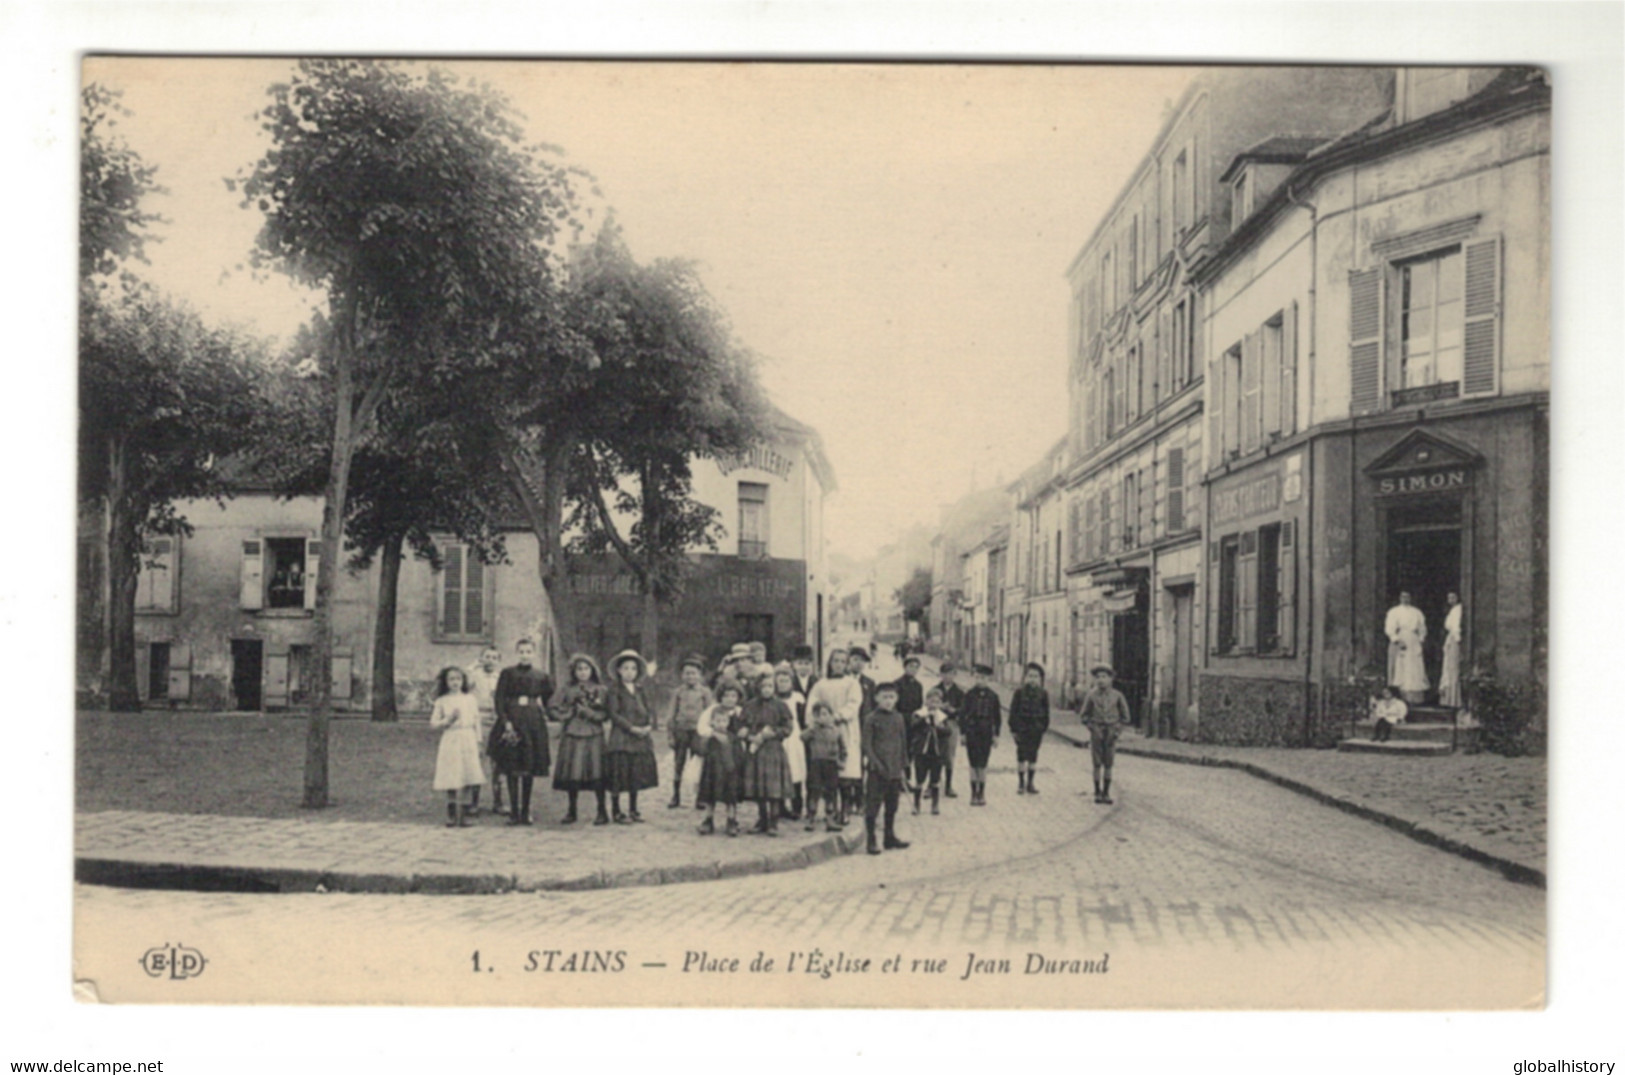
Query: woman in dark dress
[(584, 710), (767, 721), (630, 753), (518, 743), (979, 725), (1029, 720)]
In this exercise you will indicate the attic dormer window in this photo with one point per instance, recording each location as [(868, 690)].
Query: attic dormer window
[(1241, 197)]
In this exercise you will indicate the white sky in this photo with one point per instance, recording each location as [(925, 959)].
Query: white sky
[(891, 239)]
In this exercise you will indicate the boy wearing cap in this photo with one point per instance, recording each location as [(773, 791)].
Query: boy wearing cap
[(885, 757), (979, 720), (691, 698), (910, 694), (852, 777), (1105, 711)]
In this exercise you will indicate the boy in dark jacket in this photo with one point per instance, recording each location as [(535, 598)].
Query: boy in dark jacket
[(885, 760), (1029, 720), (979, 720), (953, 700)]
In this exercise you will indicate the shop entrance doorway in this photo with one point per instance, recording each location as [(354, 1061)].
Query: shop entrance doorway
[(1424, 559)]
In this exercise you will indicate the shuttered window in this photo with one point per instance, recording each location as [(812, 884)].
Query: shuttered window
[(1090, 538), (1175, 510), (1227, 560), (155, 587), (1289, 371), (1251, 392), (1247, 590), (1286, 619), (1270, 377), (1233, 402), (1481, 309), (462, 592), (1365, 341)]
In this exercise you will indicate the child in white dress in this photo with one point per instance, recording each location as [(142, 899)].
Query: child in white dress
[(457, 768)]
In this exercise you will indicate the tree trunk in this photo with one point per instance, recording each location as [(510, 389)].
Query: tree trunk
[(651, 627), (542, 497), (338, 482), (123, 558), (383, 636)]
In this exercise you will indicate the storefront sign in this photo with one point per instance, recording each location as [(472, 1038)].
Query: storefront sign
[(1251, 498), (1436, 482), (760, 457)]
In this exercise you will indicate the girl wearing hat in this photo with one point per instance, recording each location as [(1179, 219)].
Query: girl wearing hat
[(720, 777), (629, 756), (767, 721), (1029, 720), (584, 709)]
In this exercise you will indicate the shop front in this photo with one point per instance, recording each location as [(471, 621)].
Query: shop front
[(1255, 688)]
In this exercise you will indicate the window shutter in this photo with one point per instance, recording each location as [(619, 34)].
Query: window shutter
[(1365, 341), (1165, 350), (180, 671), (343, 668), (143, 673), (1271, 341), (451, 591), (1176, 490), (1211, 598), (1234, 401), (1251, 349), (313, 568), (1216, 409), (1286, 619), (1148, 369), (1481, 307), (1106, 541), (1089, 527), (474, 595), (1247, 590), (276, 679), (1289, 370), (251, 588)]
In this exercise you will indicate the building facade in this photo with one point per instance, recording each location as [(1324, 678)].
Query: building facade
[(1377, 352), (1133, 492), (225, 615)]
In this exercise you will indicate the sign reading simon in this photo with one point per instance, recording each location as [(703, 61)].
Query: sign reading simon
[(1437, 481), (761, 457)]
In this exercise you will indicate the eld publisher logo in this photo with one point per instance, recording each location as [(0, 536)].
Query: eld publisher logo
[(174, 960)]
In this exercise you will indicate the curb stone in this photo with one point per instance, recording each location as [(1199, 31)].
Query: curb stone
[(1415, 828), (238, 877)]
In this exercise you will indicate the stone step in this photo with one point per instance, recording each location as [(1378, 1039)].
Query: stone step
[(1412, 748), (1410, 731)]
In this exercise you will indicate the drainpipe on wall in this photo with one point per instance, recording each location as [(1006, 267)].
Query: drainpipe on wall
[(1308, 550)]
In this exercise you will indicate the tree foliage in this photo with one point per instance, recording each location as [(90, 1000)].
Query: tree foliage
[(113, 183), (414, 203), (915, 595)]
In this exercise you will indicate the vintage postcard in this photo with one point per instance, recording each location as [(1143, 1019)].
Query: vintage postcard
[(812, 535)]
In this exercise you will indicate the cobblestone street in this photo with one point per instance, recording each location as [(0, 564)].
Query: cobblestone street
[(1193, 873)]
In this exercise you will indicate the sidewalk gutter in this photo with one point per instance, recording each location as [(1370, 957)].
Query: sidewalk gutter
[(1416, 828), (165, 872)]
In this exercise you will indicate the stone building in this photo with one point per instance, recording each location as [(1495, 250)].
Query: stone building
[(1134, 587), (224, 617), (1376, 343)]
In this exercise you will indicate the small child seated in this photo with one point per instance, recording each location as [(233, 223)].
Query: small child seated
[(1389, 710)]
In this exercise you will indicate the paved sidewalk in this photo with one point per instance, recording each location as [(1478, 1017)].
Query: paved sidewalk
[(1481, 806)]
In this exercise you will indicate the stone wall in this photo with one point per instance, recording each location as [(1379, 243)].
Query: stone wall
[(1238, 711)]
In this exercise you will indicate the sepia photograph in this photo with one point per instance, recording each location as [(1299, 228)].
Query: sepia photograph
[(567, 533)]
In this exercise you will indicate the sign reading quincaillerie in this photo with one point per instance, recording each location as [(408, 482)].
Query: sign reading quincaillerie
[(760, 457), (1250, 498)]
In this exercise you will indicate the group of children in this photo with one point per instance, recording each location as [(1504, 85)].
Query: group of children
[(779, 736)]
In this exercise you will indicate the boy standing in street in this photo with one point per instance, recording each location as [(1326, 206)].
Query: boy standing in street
[(910, 694), (885, 755), (980, 719), (953, 700), (691, 699), (1105, 711)]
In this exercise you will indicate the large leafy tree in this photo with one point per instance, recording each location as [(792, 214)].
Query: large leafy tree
[(413, 203), (162, 396), (665, 383)]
